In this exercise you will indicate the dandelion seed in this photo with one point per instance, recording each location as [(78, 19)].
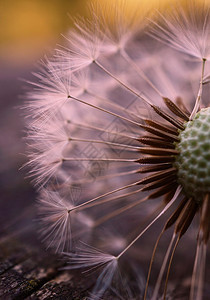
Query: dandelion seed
[(92, 259), (126, 120), (187, 30), (54, 213)]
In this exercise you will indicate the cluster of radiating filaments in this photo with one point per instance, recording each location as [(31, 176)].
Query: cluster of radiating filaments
[(110, 124)]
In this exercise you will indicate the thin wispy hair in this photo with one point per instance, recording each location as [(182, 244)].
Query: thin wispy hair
[(186, 29)]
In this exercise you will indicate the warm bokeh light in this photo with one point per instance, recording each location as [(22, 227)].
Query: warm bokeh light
[(29, 28)]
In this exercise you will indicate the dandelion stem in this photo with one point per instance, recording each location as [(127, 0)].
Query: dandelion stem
[(202, 272), (87, 126), (198, 272), (105, 177), (200, 258), (120, 210), (155, 219), (157, 286), (104, 110), (114, 198), (195, 271), (121, 83), (104, 195), (151, 262), (198, 99), (139, 71), (97, 159), (169, 265), (72, 139), (113, 104)]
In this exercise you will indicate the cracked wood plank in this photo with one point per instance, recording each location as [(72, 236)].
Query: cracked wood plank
[(28, 272)]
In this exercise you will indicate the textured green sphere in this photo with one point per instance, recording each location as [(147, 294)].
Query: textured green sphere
[(193, 160)]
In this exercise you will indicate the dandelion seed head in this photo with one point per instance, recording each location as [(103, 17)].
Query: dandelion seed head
[(118, 132), (55, 220)]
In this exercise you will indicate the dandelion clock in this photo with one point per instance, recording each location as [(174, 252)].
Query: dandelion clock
[(119, 150)]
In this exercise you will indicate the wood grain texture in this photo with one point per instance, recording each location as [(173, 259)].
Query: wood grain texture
[(28, 272)]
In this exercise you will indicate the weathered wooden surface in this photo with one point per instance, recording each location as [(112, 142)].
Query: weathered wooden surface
[(28, 272)]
